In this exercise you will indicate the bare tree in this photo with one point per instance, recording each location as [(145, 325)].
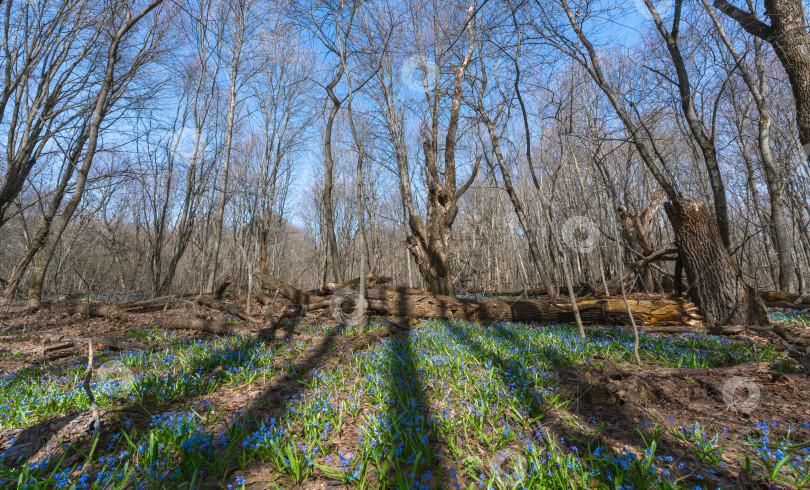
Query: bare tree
[(242, 28), (111, 88), (788, 36), (201, 84), (757, 85), (49, 64)]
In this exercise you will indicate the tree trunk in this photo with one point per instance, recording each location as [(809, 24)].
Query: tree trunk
[(223, 191), (758, 89), (714, 282), (45, 226), (329, 165), (431, 256), (704, 139)]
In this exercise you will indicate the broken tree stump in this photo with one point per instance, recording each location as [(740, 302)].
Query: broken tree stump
[(222, 287)]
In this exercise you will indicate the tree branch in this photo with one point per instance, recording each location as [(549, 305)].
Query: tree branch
[(747, 20)]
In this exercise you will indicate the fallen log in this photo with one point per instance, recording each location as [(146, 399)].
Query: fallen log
[(780, 296), (215, 304), (39, 360), (93, 309), (54, 347), (262, 298), (776, 299), (788, 305), (579, 289), (371, 281), (116, 344), (608, 310), (218, 327), (691, 372), (415, 303), (292, 293)]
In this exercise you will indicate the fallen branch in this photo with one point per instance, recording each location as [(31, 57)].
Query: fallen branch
[(94, 309), (43, 359), (788, 305), (689, 372), (776, 299), (371, 281), (215, 304), (55, 347), (614, 285), (86, 385), (262, 298)]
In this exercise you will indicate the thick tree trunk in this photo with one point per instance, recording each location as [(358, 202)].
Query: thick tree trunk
[(222, 287), (714, 282), (431, 256)]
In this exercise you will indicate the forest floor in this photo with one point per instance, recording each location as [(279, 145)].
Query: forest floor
[(440, 404)]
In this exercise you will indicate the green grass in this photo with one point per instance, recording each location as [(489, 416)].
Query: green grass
[(451, 402)]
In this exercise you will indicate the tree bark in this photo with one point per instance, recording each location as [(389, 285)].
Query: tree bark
[(714, 282), (329, 165), (222, 287)]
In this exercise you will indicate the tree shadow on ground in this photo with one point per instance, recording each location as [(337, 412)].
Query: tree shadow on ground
[(138, 415), (413, 453), (565, 422)]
